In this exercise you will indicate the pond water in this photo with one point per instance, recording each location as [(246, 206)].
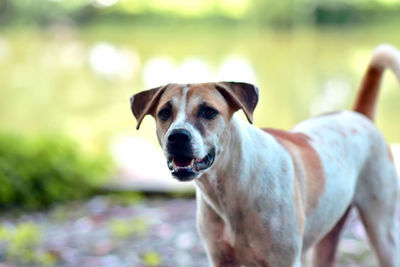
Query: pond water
[(78, 81)]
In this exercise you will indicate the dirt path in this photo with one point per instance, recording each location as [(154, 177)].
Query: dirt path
[(106, 232)]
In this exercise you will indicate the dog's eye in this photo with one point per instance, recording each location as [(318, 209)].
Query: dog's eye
[(164, 114), (207, 113)]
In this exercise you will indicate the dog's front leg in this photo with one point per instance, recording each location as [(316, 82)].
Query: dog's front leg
[(211, 229)]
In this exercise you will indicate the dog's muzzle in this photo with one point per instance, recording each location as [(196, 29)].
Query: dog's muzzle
[(182, 163)]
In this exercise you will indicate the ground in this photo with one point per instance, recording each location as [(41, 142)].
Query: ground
[(108, 231)]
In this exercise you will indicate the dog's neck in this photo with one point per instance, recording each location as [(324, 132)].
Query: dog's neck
[(236, 169)]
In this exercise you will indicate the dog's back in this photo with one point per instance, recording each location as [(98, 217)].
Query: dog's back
[(356, 167), (355, 155)]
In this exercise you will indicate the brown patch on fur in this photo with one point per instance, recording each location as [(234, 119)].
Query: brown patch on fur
[(227, 256), (325, 250), (307, 164), (240, 96), (206, 94), (368, 92), (145, 102), (299, 207), (170, 91)]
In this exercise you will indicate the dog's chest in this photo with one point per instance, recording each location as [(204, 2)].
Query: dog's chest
[(245, 232), (245, 229)]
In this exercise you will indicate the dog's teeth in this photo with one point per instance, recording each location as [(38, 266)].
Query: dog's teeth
[(173, 166), (190, 166), (170, 165)]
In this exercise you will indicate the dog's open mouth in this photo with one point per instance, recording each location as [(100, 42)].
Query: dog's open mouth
[(186, 168)]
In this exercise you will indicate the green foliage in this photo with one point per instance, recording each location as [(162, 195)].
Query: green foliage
[(124, 228), (21, 245), (37, 172), (125, 198), (151, 258), (22, 242), (278, 13)]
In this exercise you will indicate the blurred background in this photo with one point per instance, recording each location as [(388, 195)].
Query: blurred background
[(79, 186)]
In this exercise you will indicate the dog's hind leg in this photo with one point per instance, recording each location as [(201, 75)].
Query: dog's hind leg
[(325, 251), (378, 204), (383, 233)]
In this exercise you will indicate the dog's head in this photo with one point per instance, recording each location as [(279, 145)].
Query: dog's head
[(193, 121)]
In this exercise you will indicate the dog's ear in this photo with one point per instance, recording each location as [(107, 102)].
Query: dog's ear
[(145, 102), (240, 96)]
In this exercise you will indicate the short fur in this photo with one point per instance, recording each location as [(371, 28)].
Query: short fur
[(270, 195)]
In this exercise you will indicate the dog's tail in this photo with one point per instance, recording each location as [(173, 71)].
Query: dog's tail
[(384, 56)]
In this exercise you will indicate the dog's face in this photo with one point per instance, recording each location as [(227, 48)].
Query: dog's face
[(193, 121)]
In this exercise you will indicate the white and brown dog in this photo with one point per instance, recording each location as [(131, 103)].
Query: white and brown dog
[(265, 196)]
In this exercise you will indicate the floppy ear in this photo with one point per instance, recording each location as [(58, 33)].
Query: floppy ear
[(240, 96), (145, 102)]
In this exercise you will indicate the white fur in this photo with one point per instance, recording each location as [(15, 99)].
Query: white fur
[(252, 171), (353, 154)]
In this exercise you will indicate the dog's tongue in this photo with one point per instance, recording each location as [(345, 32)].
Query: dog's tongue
[(182, 161)]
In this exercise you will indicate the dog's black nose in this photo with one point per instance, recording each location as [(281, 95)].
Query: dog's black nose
[(179, 136)]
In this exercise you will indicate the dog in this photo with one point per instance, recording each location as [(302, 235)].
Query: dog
[(265, 196)]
